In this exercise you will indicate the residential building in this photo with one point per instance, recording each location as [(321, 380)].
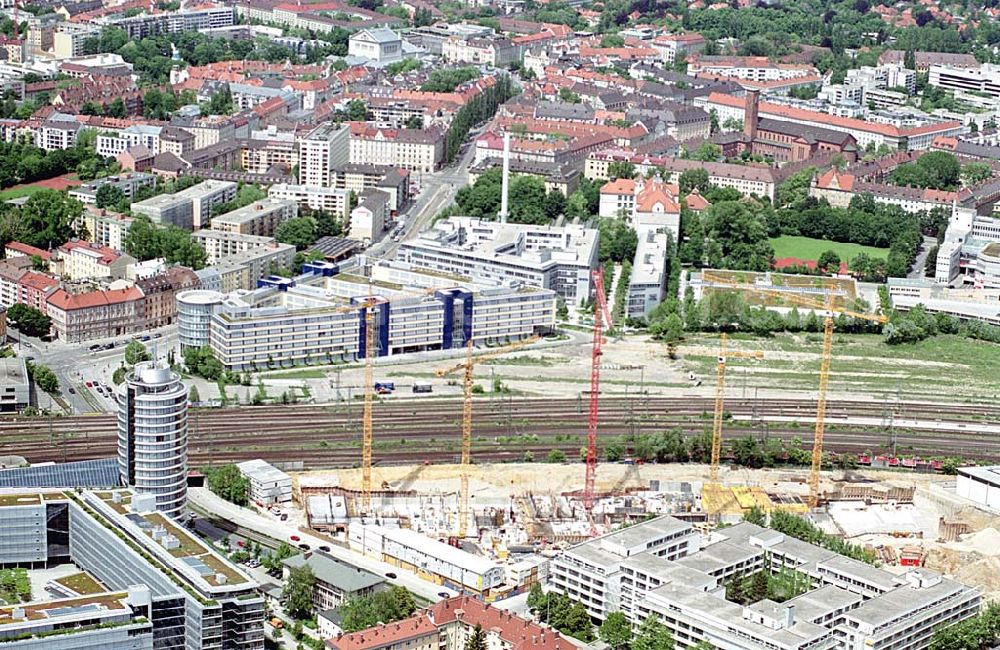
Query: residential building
[(167, 210), (493, 51), (260, 218), (927, 60), (127, 183), (336, 581), (448, 625), (94, 314), (418, 150), (153, 435), (171, 22), (644, 204), (114, 143), (206, 195), (321, 151), (159, 295), (672, 46), (159, 580), (314, 317), (369, 219), (244, 270), (267, 485), (329, 199), (15, 386), (107, 229), (560, 258), (381, 45), (219, 244), (80, 260)]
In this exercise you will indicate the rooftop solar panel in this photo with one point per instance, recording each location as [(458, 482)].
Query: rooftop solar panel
[(67, 611), (198, 565), (99, 473)]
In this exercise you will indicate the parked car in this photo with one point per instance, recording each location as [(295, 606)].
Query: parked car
[(390, 575)]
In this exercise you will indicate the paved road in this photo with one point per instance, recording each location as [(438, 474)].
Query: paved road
[(917, 271), (203, 499), (437, 193)]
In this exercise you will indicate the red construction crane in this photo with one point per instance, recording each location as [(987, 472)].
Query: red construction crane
[(602, 318)]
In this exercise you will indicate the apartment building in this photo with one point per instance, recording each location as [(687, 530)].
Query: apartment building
[(418, 150), (260, 218), (336, 581), (493, 51), (332, 200), (370, 218), (219, 244), (107, 229), (146, 135), (323, 149), (672, 46), (80, 260), (157, 582), (159, 295), (172, 22), (314, 317), (94, 314), (560, 258), (849, 604), (244, 270), (189, 209), (127, 183)]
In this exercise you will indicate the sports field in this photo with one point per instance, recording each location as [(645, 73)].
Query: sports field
[(806, 248)]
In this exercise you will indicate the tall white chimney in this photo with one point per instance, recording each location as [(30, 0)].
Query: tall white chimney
[(505, 183)]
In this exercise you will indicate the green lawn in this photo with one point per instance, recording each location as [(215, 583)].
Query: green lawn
[(18, 192), (806, 248)]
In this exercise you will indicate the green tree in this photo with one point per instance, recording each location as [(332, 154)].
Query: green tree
[(202, 362), (193, 394), (556, 456), (385, 606), (109, 196), (568, 96), (829, 261), (616, 631), (44, 378), (755, 516), (48, 219), (707, 152), (653, 635), (28, 320), (477, 640), (621, 169), (692, 179), (975, 173), (536, 597), (299, 232), (415, 122), (910, 60), (739, 238), (136, 352), (617, 242), (227, 482), (297, 595), (612, 40)]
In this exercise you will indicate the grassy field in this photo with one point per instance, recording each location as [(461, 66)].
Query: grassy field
[(18, 192), (806, 248), (952, 366)]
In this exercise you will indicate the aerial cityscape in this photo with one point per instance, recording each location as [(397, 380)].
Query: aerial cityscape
[(499, 325)]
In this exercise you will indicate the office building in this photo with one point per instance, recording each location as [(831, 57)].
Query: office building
[(559, 258), (260, 218), (370, 218), (316, 316), (150, 583), (152, 435), (323, 149), (647, 285), (984, 79), (662, 568), (194, 315), (268, 484)]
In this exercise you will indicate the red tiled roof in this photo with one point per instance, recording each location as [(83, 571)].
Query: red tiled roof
[(620, 186), (38, 281), (68, 302), (822, 119), (383, 636), (25, 249), (697, 202)]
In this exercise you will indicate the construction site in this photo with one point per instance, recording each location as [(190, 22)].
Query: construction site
[(490, 529)]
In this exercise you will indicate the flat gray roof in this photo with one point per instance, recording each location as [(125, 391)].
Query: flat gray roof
[(648, 531), (904, 600), (990, 474)]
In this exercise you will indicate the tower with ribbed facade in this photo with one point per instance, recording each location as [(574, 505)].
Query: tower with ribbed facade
[(152, 435)]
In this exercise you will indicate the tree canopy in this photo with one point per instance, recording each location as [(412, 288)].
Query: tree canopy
[(227, 482), (28, 320)]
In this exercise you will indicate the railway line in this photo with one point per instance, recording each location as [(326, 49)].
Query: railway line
[(411, 431)]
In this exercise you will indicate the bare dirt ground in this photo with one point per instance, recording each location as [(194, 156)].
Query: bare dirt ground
[(975, 559)]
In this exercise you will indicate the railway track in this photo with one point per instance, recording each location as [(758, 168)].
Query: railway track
[(414, 431)]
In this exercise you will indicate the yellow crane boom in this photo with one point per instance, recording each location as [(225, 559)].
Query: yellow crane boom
[(720, 389), (466, 367), (828, 307)]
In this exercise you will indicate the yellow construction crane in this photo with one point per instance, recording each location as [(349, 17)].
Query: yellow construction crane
[(827, 306), (366, 419), (720, 389), (467, 366)]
